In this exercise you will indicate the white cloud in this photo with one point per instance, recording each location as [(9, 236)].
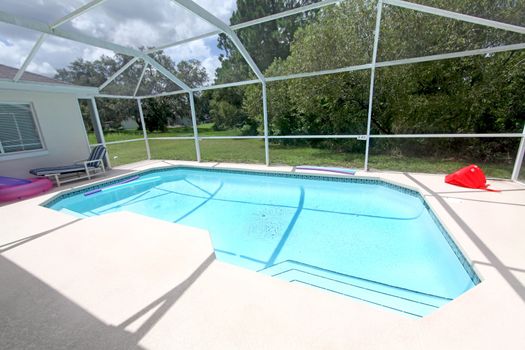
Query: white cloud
[(15, 44), (14, 55), (200, 50), (126, 22), (44, 68), (211, 64), (194, 49), (221, 9), (140, 23), (90, 53), (132, 32)]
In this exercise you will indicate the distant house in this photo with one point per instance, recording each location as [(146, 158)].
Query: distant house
[(129, 124), (40, 122)]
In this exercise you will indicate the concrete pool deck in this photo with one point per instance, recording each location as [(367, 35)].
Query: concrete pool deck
[(125, 281)]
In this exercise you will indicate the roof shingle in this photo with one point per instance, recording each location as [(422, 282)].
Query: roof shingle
[(7, 72)]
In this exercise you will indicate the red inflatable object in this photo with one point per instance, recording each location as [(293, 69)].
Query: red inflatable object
[(21, 191), (471, 177)]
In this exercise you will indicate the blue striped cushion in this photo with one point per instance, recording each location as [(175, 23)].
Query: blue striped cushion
[(97, 153), (57, 170)]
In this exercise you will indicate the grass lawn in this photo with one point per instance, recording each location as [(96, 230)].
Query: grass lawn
[(252, 151)]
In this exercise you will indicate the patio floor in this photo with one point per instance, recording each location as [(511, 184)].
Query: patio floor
[(125, 281)]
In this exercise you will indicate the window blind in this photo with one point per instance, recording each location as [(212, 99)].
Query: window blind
[(18, 130)]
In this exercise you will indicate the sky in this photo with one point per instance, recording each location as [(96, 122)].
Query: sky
[(134, 23)]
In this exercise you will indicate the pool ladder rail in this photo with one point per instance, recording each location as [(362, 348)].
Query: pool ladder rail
[(407, 301)]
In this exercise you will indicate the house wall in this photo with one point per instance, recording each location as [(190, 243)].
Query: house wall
[(62, 130)]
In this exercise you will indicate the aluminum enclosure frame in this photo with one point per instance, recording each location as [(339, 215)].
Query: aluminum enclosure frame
[(222, 27)]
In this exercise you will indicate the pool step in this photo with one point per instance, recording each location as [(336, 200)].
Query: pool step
[(396, 298)]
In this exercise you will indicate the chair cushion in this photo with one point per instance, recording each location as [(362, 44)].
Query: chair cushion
[(74, 168)]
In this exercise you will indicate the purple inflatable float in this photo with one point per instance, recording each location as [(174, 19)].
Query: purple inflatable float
[(12, 189)]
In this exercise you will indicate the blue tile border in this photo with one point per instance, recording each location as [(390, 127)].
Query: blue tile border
[(463, 261)]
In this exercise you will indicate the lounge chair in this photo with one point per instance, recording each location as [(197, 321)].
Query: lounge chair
[(90, 167)]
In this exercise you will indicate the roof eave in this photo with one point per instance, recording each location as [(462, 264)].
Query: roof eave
[(84, 91)]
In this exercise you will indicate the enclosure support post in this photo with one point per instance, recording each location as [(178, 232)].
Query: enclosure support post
[(144, 132), (265, 121), (372, 80), (519, 158), (195, 131), (98, 125)]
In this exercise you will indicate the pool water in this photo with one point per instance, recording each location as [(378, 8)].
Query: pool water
[(365, 239)]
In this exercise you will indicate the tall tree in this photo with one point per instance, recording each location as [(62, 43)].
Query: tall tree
[(474, 94), (265, 42), (158, 111)]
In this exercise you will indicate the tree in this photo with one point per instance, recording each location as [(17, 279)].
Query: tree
[(474, 94), (265, 43), (158, 111)]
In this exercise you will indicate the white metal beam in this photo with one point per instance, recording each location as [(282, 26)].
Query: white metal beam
[(140, 79), (121, 97), (231, 137), (127, 97), (456, 16), (148, 60), (166, 72), (359, 137), (372, 81), (144, 132), (285, 14), (220, 86), (444, 136), (30, 57), (78, 37), (284, 137), (118, 72), (184, 41), (78, 12), (519, 158), (124, 141), (323, 72), (265, 124), (59, 22), (98, 125), (504, 48), (81, 38), (445, 56), (171, 93), (173, 138), (194, 124), (238, 26), (211, 19)]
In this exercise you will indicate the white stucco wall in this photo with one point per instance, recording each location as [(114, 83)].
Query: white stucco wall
[(62, 129)]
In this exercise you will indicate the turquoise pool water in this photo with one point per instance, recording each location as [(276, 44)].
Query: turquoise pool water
[(362, 238)]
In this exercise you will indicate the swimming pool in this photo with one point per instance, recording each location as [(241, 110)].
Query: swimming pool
[(363, 238)]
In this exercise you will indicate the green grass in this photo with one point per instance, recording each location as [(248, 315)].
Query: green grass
[(125, 153), (252, 151), (436, 165)]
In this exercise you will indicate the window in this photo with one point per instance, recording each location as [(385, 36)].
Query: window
[(18, 129)]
